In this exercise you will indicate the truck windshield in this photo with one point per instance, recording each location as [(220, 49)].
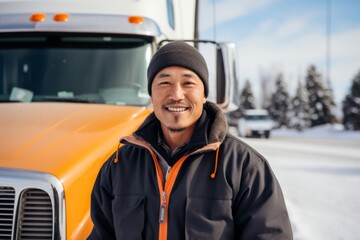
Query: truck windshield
[(68, 68)]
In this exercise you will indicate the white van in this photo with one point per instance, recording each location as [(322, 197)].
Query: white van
[(255, 123)]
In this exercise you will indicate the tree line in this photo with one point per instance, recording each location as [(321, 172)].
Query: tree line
[(312, 105)]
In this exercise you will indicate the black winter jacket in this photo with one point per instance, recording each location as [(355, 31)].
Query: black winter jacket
[(222, 189)]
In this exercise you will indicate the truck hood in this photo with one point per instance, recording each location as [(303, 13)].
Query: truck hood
[(60, 137)]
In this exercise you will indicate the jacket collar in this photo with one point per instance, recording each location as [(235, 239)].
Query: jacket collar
[(216, 132)]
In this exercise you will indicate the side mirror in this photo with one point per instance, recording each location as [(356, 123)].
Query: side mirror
[(226, 76)]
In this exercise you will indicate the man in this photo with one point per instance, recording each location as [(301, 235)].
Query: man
[(181, 175)]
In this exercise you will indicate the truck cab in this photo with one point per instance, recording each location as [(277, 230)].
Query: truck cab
[(72, 82)]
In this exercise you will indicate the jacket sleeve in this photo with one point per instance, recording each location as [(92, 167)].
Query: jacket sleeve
[(101, 207), (259, 207)]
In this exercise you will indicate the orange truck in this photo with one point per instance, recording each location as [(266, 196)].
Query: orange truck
[(72, 82)]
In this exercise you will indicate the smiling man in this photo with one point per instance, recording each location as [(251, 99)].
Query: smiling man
[(178, 99), (181, 175)]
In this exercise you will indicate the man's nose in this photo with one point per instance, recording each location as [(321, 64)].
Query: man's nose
[(176, 92)]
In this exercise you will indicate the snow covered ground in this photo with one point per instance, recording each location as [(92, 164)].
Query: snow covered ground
[(319, 171)]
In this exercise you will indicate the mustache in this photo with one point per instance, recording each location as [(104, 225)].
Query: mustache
[(172, 102)]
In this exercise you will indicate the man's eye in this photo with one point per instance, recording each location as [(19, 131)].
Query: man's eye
[(188, 83), (164, 83)]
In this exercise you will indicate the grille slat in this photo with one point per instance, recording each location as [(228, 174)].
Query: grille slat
[(36, 218), (7, 202)]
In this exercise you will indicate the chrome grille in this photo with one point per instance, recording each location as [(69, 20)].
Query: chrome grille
[(36, 215), (7, 203), (32, 206)]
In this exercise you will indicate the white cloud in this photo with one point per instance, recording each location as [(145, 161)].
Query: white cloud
[(227, 10), (266, 26), (292, 27)]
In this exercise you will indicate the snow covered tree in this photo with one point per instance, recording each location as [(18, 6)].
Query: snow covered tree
[(247, 100), (351, 106), (320, 101), (299, 114), (280, 103)]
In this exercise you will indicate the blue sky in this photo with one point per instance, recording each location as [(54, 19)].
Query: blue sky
[(287, 36)]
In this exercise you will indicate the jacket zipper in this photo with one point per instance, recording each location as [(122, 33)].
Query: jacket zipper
[(162, 208), (165, 191), (163, 200)]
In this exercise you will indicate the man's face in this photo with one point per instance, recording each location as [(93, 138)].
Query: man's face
[(178, 97)]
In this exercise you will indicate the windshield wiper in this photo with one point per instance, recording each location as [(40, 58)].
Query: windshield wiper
[(9, 101), (70, 100)]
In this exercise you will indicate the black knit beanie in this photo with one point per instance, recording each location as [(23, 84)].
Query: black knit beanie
[(178, 53)]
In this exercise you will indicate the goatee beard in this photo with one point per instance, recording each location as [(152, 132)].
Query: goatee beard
[(176, 119), (176, 129)]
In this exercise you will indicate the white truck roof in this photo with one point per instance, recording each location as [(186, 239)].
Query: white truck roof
[(15, 14)]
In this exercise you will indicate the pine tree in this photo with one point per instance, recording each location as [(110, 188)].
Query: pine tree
[(320, 101), (299, 117), (351, 106), (247, 100), (280, 103)]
